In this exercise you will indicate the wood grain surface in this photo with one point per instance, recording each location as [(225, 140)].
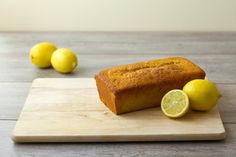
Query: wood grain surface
[(53, 102), (215, 52)]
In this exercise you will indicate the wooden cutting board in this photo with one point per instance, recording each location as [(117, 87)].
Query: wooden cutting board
[(69, 110)]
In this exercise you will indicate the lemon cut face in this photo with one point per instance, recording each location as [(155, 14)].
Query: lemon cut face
[(175, 103)]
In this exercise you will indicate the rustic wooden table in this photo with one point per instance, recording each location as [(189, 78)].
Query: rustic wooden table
[(215, 52)]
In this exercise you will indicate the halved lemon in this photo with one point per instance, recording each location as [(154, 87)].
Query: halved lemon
[(175, 103)]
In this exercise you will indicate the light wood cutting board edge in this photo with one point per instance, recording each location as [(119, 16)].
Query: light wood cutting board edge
[(119, 138)]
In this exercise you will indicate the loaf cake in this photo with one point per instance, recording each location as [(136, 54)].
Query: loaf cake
[(141, 85)]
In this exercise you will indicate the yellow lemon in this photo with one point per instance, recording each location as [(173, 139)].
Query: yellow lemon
[(64, 60), (40, 54), (203, 94), (175, 103)]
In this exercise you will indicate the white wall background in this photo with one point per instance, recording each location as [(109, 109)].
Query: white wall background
[(118, 15)]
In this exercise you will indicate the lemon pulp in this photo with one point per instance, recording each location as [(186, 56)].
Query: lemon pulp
[(175, 103)]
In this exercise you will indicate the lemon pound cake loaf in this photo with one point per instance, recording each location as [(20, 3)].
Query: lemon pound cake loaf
[(137, 86)]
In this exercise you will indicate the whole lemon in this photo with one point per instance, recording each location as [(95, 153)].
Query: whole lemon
[(40, 54), (203, 94), (64, 60)]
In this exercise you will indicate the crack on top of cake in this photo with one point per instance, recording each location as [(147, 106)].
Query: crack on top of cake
[(152, 69), (121, 71)]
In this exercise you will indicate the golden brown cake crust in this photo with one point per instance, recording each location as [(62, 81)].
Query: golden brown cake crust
[(122, 82), (149, 72)]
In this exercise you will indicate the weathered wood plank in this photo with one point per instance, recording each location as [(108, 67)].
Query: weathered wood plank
[(227, 103), (124, 42), (215, 52), (188, 149), (13, 96), (219, 68)]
